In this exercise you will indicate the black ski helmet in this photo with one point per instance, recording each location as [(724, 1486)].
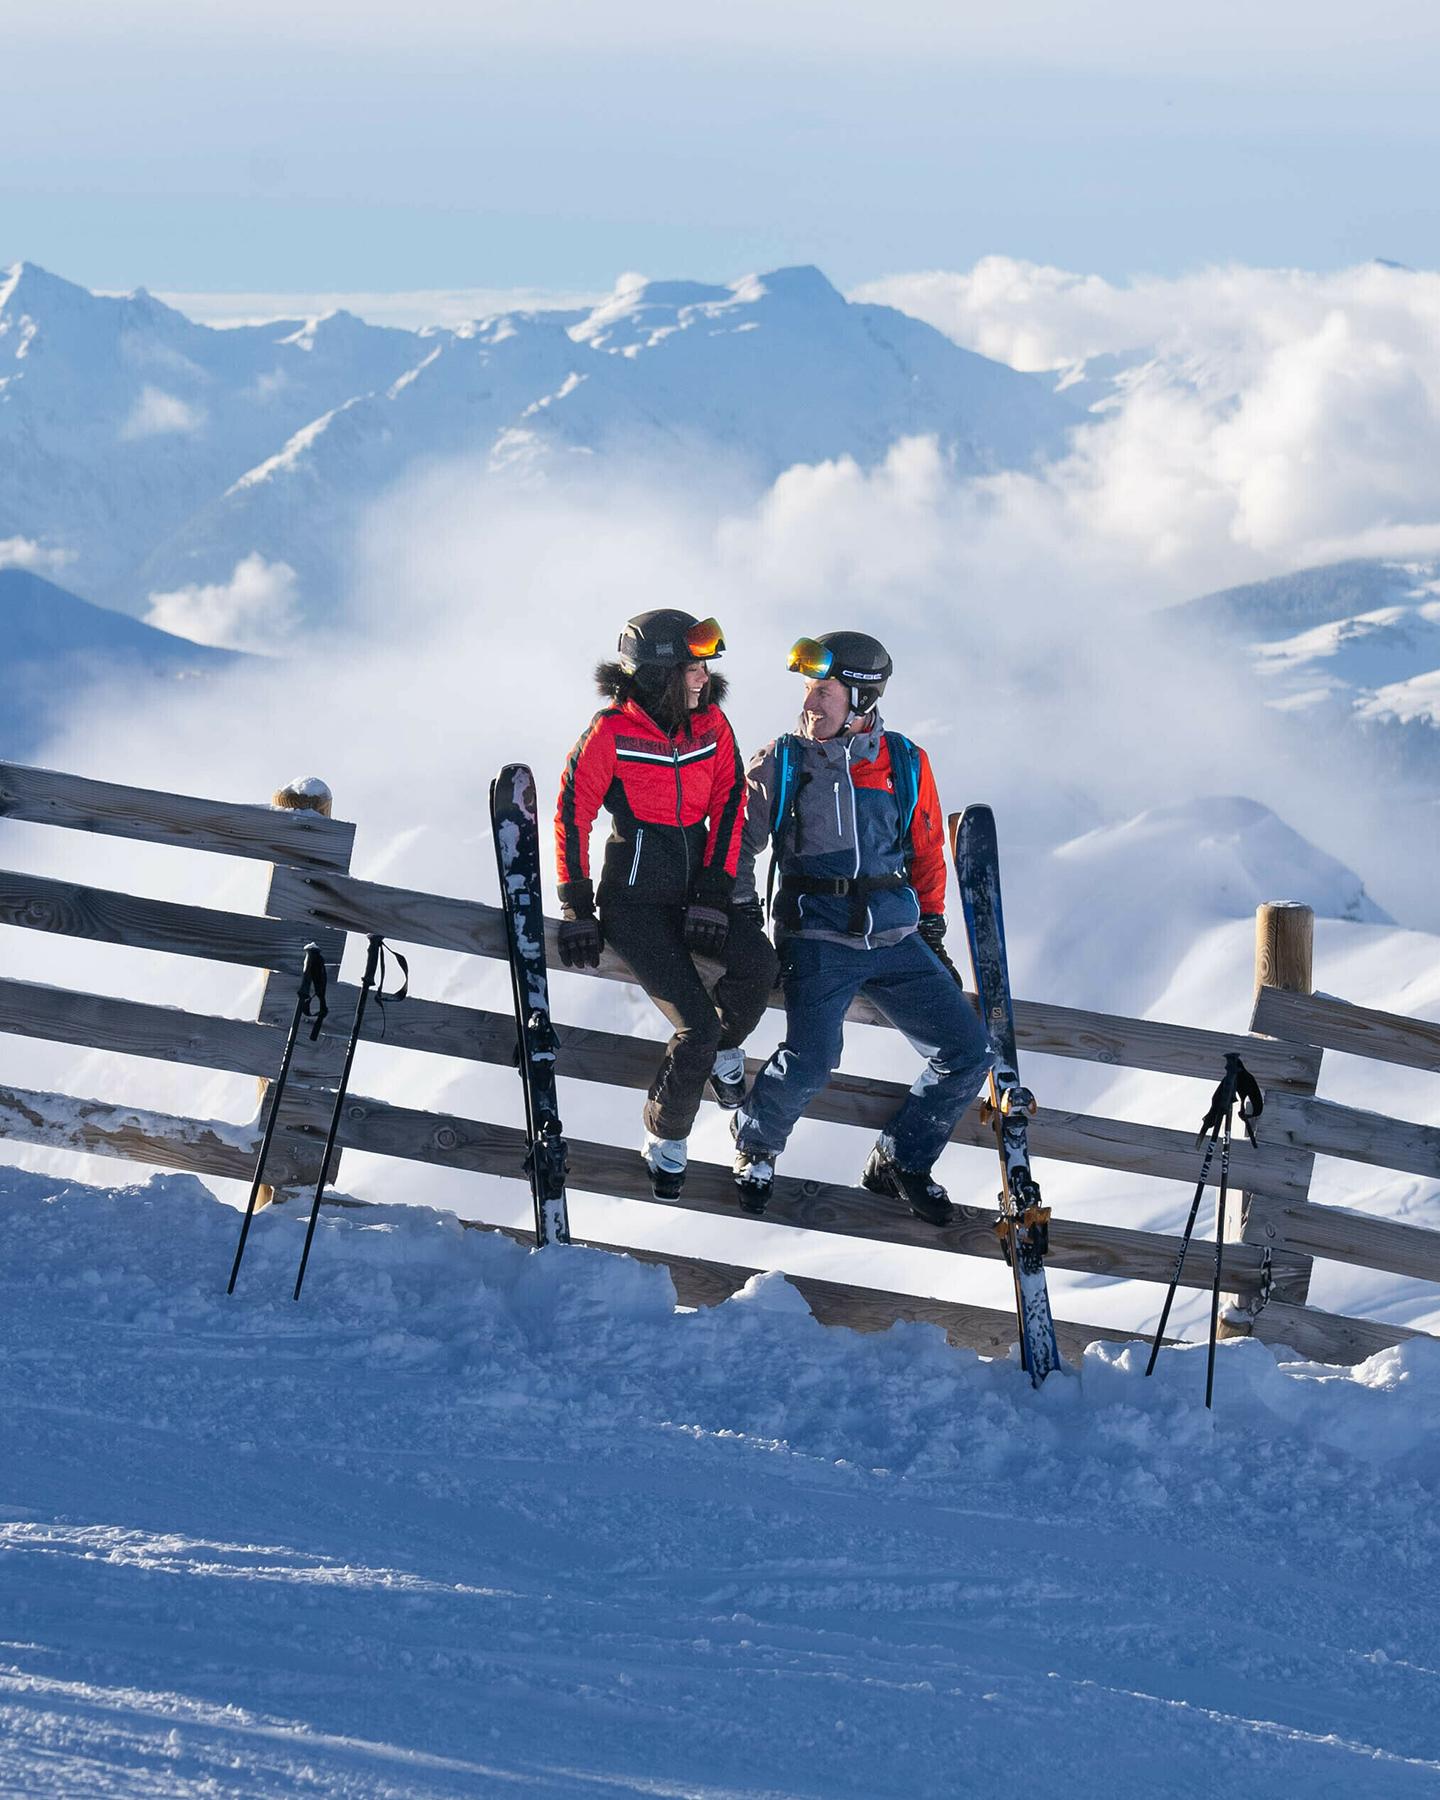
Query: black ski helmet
[(668, 639), (854, 657)]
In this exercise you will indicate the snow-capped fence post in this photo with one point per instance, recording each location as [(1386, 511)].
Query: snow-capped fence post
[(316, 1065), (1284, 959)]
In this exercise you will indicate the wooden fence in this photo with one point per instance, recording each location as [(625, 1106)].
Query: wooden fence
[(1278, 1229)]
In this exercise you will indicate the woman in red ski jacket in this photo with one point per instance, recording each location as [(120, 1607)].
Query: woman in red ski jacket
[(662, 760)]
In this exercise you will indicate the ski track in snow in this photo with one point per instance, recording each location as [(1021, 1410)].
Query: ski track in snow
[(473, 1521)]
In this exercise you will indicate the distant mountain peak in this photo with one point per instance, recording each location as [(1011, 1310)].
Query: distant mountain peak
[(798, 284), (25, 286)]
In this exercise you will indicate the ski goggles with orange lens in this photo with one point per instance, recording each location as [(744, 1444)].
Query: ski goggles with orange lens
[(811, 659), (705, 639)]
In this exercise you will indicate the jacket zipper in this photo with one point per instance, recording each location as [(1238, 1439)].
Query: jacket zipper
[(839, 828), (635, 860), (855, 821)]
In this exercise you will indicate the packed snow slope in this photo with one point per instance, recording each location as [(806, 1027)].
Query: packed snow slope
[(475, 1521)]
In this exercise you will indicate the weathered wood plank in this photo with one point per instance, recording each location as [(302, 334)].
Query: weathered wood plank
[(439, 1027), (131, 1028), (1355, 1030), (1346, 1236), (862, 1309), (1329, 1129), (807, 1205), (50, 797), (347, 903), (1164, 1049), (59, 1122), (1327, 1337), (38, 903), (610, 1058)]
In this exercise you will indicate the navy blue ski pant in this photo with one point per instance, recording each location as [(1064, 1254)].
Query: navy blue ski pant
[(910, 986)]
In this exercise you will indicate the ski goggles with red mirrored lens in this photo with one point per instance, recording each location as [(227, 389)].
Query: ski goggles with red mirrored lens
[(811, 659), (705, 639)]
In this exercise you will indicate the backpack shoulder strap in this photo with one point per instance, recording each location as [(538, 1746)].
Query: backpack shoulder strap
[(905, 772), (784, 785), (782, 804)]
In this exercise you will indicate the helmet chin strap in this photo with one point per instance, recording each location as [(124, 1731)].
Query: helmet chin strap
[(855, 718)]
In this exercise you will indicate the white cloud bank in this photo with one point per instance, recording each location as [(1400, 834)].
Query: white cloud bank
[(29, 553), (157, 414), (1291, 416), (256, 610)]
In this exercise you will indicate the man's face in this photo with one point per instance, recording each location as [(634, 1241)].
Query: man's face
[(825, 710)]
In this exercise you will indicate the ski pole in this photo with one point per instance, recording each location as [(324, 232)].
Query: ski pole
[(1218, 1115), (374, 961), (312, 986), (1219, 1254), (1184, 1251)]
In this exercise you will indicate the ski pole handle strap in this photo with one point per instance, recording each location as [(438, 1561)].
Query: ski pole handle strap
[(375, 975), (313, 983), (1237, 1083)]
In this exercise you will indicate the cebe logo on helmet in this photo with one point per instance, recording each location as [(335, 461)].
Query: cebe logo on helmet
[(668, 638)]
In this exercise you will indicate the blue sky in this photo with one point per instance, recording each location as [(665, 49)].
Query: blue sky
[(366, 146)]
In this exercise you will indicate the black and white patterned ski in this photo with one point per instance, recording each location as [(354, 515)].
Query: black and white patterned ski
[(517, 855), (1024, 1223)]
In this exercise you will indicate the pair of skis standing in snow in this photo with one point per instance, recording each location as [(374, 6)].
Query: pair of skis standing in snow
[(852, 817)]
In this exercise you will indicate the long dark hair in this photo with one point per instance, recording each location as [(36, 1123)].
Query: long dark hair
[(660, 691)]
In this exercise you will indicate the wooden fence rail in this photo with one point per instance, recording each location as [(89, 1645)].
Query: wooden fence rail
[(312, 896)]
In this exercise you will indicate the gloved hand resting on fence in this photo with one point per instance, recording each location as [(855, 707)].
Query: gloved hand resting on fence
[(932, 929), (581, 940), (581, 943)]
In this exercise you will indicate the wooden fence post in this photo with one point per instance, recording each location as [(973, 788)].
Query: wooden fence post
[(1284, 959), (313, 1062)]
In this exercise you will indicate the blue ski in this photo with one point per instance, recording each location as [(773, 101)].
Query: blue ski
[(1024, 1223)]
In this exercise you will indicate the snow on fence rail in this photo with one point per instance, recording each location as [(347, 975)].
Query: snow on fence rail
[(312, 896)]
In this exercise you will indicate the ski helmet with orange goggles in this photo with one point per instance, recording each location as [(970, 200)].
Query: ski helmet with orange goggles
[(668, 640), (860, 661)]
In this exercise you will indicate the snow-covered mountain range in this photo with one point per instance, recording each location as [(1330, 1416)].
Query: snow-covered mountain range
[(154, 453), (1347, 648)]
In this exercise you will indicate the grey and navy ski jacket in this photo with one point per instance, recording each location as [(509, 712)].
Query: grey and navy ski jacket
[(847, 814)]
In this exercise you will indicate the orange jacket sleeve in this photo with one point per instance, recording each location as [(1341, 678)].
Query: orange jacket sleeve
[(589, 771), (927, 838)]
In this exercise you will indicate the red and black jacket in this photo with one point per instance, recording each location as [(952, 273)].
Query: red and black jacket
[(677, 803)]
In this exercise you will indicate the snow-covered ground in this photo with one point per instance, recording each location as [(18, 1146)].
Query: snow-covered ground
[(475, 1521)]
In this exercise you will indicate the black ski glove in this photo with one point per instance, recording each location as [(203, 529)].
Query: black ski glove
[(581, 943), (749, 912), (932, 929), (706, 930)]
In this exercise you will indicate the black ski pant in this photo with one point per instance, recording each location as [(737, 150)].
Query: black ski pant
[(652, 940)]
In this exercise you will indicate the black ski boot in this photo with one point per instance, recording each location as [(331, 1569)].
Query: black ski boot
[(754, 1172), (665, 1161), (727, 1079), (925, 1198)]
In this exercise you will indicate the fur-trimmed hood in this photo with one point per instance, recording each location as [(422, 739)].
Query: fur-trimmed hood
[(617, 684)]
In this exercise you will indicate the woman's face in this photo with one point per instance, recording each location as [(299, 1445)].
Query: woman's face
[(696, 676)]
